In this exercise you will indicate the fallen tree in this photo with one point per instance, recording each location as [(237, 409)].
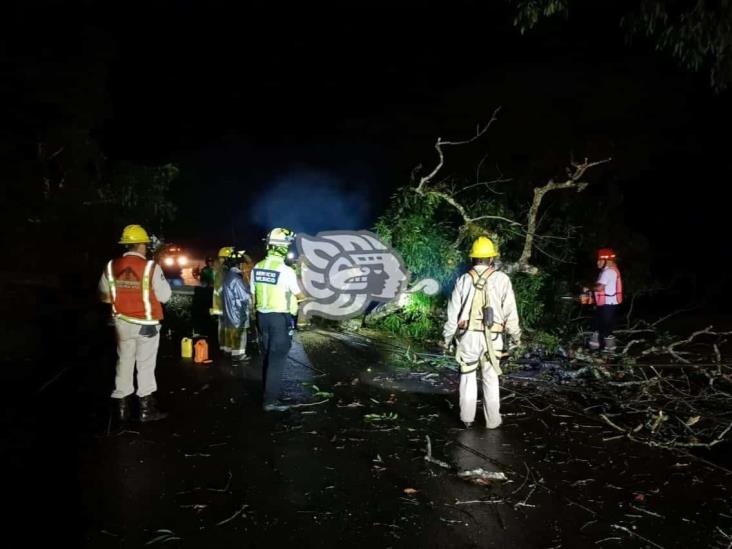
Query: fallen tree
[(433, 220), (478, 216)]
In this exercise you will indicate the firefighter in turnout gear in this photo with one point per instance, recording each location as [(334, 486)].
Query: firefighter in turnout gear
[(236, 306), (217, 307), (274, 289), (136, 289), (481, 316)]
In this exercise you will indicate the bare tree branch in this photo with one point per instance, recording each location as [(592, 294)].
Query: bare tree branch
[(480, 166), (551, 256), (671, 348), (454, 203), (574, 175), (487, 184), (496, 217), (573, 182), (440, 143)]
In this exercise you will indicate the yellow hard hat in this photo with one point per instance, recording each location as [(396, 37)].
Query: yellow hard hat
[(483, 248), (134, 234), (226, 251)]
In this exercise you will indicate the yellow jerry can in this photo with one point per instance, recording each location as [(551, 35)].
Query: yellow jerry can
[(186, 347)]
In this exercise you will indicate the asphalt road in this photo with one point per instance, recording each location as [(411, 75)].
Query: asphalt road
[(345, 467)]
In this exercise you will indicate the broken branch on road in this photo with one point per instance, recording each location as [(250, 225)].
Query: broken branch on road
[(431, 459)]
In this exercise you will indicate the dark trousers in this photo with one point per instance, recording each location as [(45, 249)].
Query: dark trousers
[(274, 329), (200, 314), (604, 322)]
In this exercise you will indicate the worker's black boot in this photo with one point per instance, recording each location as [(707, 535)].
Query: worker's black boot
[(120, 410), (610, 344), (149, 410)]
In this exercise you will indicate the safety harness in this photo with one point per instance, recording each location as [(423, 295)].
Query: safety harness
[(480, 320)]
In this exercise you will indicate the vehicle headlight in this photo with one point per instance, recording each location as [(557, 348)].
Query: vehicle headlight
[(169, 261), (182, 260)]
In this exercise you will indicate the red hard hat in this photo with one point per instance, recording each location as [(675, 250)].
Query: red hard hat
[(605, 253)]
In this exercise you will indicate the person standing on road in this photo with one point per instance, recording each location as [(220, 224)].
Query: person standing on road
[(236, 308), (202, 304), (208, 274), (136, 289), (481, 313), (217, 307), (274, 287), (607, 295)]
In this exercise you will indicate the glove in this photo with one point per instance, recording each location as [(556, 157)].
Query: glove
[(446, 346), (148, 330)]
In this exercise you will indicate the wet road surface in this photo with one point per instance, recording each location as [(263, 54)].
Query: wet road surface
[(346, 468)]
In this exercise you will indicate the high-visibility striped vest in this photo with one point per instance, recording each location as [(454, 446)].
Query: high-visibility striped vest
[(601, 296), (270, 293), (294, 305), (217, 307), (130, 286)]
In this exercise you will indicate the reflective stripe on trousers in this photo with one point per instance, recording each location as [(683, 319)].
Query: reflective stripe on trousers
[(236, 340)]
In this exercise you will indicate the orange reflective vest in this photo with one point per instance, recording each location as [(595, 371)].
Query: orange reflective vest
[(131, 290), (601, 296)]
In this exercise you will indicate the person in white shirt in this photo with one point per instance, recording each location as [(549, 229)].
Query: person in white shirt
[(607, 295)]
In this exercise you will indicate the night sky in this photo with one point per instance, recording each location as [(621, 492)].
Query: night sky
[(286, 110)]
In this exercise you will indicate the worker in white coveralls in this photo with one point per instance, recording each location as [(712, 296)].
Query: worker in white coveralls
[(481, 316)]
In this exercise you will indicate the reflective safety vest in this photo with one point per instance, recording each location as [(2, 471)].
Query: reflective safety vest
[(130, 286), (294, 305), (270, 294), (217, 307), (601, 296)]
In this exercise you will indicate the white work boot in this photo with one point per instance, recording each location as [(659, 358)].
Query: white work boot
[(594, 342), (494, 423)]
